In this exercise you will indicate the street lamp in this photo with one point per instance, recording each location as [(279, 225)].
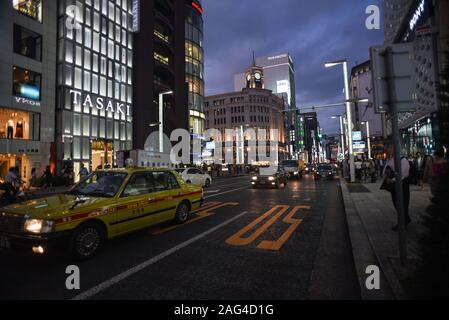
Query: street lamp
[(344, 63), (242, 136), (342, 133), (161, 119), (368, 138)]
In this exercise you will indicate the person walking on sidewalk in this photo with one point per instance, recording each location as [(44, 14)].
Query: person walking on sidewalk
[(389, 177), (48, 178), (33, 179), (438, 169), (420, 168), (83, 172), (427, 171)]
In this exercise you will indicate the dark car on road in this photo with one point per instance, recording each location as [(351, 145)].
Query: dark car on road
[(269, 177), (309, 169), (324, 171)]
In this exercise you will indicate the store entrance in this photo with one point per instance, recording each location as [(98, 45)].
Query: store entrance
[(102, 154), (9, 161)]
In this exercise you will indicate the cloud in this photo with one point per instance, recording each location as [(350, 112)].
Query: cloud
[(312, 31)]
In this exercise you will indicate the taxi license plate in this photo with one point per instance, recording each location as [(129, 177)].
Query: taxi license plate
[(262, 182), (5, 243)]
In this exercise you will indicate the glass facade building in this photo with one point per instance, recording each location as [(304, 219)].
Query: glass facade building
[(95, 68), (195, 65), (27, 85)]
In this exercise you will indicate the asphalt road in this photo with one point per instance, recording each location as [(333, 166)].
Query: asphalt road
[(290, 243)]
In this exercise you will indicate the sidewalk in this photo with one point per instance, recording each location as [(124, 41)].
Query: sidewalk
[(371, 215)]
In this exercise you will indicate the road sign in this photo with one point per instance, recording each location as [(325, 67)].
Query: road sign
[(357, 145), (402, 77), (356, 135)]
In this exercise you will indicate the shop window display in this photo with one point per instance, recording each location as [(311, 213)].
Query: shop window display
[(15, 124), (26, 84), (30, 8)]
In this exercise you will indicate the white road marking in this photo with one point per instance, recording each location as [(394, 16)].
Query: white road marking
[(114, 280), (211, 191), (229, 184), (225, 192)]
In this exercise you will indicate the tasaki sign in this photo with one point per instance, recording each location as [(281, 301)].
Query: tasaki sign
[(100, 103)]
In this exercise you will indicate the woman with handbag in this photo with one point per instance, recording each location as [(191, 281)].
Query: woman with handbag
[(389, 184)]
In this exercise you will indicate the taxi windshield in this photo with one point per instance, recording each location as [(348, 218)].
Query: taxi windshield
[(100, 184)]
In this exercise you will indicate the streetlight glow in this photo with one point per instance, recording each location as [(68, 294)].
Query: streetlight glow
[(334, 63), (344, 63), (161, 119)]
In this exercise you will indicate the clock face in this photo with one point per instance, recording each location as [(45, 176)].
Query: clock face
[(258, 76)]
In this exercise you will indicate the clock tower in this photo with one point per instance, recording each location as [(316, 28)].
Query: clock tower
[(254, 76)]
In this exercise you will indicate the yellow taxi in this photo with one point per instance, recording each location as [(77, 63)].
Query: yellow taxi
[(104, 205)]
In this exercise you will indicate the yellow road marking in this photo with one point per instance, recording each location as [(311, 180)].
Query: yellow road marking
[(276, 245), (204, 212), (238, 239)]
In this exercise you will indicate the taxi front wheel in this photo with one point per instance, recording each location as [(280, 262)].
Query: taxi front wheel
[(87, 240), (182, 214)]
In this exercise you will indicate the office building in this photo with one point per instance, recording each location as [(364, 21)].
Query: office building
[(27, 85), (426, 126), (364, 113), (250, 108), (395, 11), (311, 136), (195, 64), (279, 77), (160, 64), (95, 82)]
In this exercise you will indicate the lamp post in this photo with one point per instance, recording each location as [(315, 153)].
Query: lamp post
[(342, 133), (348, 113), (161, 119), (368, 138)]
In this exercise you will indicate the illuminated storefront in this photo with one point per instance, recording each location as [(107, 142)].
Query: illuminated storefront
[(30, 8), (426, 127), (195, 65), (19, 125), (420, 137), (95, 84)]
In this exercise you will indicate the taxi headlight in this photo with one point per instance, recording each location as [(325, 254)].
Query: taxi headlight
[(296, 173), (38, 226), (254, 178), (271, 178)]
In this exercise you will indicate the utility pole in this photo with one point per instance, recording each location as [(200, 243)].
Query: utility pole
[(397, 156)]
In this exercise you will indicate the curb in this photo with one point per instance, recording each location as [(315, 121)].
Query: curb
[(363, 252)]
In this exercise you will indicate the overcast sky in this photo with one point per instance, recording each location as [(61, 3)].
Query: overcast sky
[(312, 31)]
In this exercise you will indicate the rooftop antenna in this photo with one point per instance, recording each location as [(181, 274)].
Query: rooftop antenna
[(254, 59)]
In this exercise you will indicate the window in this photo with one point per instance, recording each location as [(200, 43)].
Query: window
[(173, 183), (100, 184), (139, 184), (164, 181), (19, 125), (30, 8), (26, 84), (27, 43), (194, 171)]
